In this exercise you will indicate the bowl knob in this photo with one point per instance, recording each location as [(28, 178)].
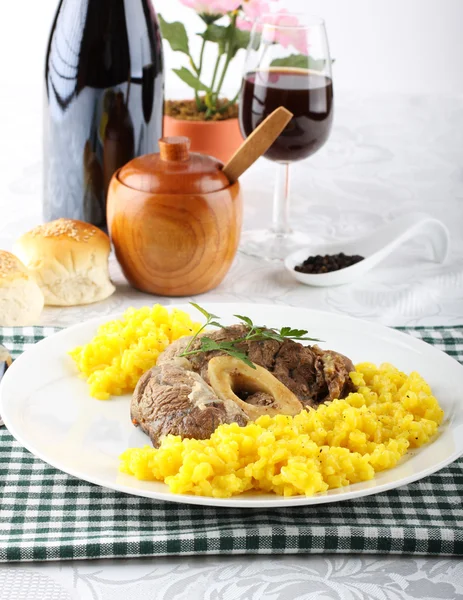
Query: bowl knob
[(174, 148)]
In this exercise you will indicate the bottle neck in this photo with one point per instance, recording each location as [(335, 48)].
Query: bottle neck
[(100, 44)]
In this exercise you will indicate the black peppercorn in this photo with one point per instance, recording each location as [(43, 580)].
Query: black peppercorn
[(327, 264)]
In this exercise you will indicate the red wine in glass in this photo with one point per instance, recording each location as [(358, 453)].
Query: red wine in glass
[(307, 94), (287, 64)]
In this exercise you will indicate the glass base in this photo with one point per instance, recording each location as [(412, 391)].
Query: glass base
[(268, 245)]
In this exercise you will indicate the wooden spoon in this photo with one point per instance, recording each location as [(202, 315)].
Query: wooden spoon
[(257, 143)]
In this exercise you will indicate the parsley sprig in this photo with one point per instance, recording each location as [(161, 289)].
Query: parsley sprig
[(255, 334)]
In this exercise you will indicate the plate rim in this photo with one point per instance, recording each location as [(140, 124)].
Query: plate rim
[(337, 495)]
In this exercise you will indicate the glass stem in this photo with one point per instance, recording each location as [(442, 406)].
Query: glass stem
[(281, 200)]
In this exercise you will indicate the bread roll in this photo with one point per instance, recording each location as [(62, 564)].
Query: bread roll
[(21, 300), (69, 260)]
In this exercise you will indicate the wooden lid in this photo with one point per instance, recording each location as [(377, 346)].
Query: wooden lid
[(175, 170)]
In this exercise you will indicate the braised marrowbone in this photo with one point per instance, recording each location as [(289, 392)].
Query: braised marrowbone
[(256, 391)]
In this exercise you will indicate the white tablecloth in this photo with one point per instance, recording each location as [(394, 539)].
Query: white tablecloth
[(388, 155)]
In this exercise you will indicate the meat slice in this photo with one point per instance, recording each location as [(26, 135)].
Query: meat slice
[(312, 374), (336, 369), (172, 400), (173, 350)]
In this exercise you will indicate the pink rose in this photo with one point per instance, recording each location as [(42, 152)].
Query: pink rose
[(292, 33), (252, 10), (244, 24), (212, 7)]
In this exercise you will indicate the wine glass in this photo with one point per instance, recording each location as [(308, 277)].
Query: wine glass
[(287, 64)]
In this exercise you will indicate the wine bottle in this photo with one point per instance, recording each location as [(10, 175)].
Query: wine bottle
[(104, 101)]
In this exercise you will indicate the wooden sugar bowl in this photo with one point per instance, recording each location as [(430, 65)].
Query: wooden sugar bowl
[(175, 220)]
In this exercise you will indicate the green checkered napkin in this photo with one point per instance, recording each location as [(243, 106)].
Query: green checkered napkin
[(48, 515)]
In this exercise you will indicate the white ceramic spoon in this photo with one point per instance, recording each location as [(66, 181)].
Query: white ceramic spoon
[(374, 248)]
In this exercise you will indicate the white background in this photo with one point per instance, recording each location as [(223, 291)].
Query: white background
[(393, 45)]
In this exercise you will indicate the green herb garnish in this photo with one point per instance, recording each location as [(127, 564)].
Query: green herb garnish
[(255, 334)]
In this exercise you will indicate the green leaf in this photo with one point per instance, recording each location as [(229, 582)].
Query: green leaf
[(288, 332), (299, 61), (246, 320), (213, 345), (204, 311), (215, 33), (175, 33), (208, 19), (221, 35), (207, 344), (241, 40), (273, 335), (191, 80), (241, 356)]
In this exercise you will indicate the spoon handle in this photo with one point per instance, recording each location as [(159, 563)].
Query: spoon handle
[(257, 143), (407, 227)]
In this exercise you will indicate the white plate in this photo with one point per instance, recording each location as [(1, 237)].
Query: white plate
[(47, 407)]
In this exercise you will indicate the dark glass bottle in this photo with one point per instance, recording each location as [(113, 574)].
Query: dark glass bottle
[(104, 101)]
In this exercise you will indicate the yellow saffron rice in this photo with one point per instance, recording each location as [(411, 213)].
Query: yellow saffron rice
[(341, 442), (124, 349)]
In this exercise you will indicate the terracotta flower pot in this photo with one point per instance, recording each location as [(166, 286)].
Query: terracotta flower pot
[(219, 139)]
